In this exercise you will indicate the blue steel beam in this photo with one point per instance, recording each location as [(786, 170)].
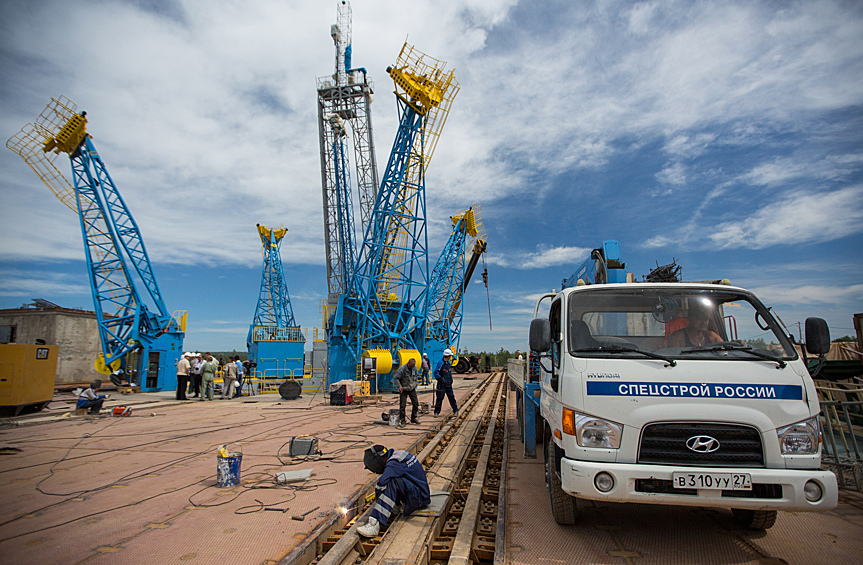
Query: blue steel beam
[(119, 311), (344, 203), (445, 289), (126, 229), (387, 264)]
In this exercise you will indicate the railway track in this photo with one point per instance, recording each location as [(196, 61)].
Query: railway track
[(464, 458)]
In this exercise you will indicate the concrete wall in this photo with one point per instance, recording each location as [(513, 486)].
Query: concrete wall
[(75, 332)]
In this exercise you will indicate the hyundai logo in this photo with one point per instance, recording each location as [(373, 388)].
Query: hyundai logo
[(702, 444)]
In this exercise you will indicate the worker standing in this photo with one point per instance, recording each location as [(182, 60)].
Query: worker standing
[(406, 378), (403, 480), (425, 366), (196, 376), (183, 368), (208, 376), (229, 379), (443, 376), (240, 375)]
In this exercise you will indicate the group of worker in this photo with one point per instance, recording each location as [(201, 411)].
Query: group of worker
[(197, 373), (408, 378)]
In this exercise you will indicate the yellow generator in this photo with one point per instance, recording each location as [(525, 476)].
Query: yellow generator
[(27, 375)]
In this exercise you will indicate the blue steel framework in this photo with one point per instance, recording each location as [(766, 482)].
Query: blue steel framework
[(383, 314), (344, 202), (275, 342), (125, 323), (447, 284)]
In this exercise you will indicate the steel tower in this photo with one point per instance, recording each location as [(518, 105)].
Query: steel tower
[(346, 95), (275, 342), (383, 315), (112, 241), (449, 280)]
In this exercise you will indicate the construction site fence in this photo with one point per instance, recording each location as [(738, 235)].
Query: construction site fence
[(842, 431)]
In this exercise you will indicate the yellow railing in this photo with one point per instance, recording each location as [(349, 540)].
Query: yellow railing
[(273, 333)]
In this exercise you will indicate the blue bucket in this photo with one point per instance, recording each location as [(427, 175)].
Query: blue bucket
[(228, 470)]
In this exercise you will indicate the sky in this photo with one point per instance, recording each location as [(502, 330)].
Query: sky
[(727, 136)]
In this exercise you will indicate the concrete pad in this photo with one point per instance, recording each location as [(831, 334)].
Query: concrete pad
[(142, 489)]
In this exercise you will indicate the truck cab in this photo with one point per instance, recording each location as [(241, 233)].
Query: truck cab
[(677, 393)]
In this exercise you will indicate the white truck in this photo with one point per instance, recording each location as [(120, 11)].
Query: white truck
[(676, 393)]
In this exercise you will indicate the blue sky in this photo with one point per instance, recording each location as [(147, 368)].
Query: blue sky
[(727, 136)]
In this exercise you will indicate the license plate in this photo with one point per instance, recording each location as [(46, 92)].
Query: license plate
[(713, 481)]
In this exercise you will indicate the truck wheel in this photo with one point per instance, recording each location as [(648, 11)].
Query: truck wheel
[(462, 366), (755, 519), (564, 507)]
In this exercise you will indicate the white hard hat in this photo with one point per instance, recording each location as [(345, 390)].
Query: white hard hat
[(425, 354), (447, 352)]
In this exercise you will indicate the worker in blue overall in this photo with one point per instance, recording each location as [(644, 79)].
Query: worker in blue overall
[(91, 398), (403, 481), (443, 376)]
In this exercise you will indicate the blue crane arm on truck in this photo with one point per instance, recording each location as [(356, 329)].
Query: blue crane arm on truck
[(603, 265)]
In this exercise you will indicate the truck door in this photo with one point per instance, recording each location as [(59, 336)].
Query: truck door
[(555, 320)]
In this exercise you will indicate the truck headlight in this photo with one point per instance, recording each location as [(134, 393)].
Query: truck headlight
[(801, 438), (594, 432)]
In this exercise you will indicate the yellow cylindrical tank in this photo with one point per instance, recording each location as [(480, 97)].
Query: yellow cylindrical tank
[(384, 359), (406, 354)]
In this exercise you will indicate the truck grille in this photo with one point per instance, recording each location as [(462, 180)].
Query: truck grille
[(665, 444)]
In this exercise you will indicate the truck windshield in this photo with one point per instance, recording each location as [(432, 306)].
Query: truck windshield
[(678, 323)]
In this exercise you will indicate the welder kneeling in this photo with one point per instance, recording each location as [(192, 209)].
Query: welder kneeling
[(403, 481)]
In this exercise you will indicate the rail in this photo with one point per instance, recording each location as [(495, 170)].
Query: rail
[(463, 457)]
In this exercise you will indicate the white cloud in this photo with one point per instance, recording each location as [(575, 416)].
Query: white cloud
[(689, 146), (809, 294), (798, 217), (206, 119), (785, 169), (674, 173), (540, 259), (212, 106), (640, 17), (34, 284)]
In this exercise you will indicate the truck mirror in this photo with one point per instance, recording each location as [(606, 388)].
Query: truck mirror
[(540, 335), (817, 336)]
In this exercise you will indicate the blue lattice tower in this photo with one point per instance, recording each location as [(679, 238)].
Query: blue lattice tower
[(275, 342), (146, 340), (344, 203), (448, 282), (383, 314)]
